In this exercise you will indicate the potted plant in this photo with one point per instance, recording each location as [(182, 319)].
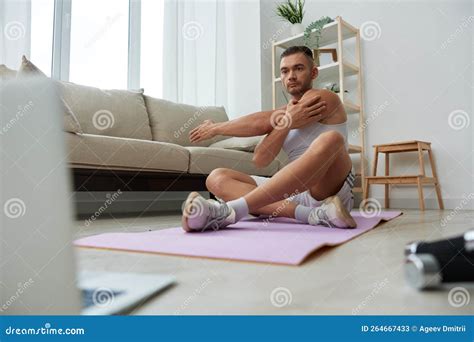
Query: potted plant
[(293, 12), (313, 30), (334, 87)]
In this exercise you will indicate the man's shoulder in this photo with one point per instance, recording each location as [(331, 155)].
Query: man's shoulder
[(334, 112), (332, 99), (326, 95)]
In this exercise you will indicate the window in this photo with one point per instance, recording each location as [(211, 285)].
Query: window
[(92, 40), (151, 57), (99, 43), (42, 15)]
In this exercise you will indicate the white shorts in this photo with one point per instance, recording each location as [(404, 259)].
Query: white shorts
[(305, 198)]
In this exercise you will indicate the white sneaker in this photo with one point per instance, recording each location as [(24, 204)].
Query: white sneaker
[(332, 213), (200, 214)]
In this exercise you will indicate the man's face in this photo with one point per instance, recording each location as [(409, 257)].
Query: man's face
[(297, 74)]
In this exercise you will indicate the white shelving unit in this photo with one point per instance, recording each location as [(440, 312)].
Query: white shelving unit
[(335, 33)]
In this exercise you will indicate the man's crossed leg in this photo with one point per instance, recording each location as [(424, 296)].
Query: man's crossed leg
[(321, 171)]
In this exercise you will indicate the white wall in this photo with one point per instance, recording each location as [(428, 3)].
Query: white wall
[(422, 66)]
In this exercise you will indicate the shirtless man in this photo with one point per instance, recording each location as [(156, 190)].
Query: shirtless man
[(312, 130)]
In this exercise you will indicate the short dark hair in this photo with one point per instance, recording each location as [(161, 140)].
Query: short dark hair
[(298, 49)]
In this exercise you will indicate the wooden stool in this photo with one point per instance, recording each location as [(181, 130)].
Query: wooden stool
[(419, 180)]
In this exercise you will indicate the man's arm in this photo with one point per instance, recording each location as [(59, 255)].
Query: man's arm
[(250, 125), (269, 147), (315, 105)]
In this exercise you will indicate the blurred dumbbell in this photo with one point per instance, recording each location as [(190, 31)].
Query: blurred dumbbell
[(452, 246), (430, 264)]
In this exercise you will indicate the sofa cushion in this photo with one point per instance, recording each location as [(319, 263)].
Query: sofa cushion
[(205, 159), (6, 73), (116, 113), (171, 122), (124, 153), (28, 69), (246, 144)]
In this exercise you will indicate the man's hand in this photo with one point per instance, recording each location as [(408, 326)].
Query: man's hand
[(203, 132), (305, 111)]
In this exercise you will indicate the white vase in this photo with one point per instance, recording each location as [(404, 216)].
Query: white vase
[(297, 29)]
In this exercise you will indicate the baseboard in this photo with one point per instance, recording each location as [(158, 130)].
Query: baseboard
[(98, 203), (430, 203)]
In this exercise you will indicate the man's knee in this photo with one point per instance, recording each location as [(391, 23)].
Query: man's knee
[(216, 179), (332, 139)]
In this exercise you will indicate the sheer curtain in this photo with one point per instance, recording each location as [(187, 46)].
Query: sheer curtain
[(208, 49), (15, 31)]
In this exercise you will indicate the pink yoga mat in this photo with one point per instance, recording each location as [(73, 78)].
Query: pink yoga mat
[(282, 241)]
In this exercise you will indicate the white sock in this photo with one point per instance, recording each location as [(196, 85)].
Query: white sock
[(302, 213), (240, 207)]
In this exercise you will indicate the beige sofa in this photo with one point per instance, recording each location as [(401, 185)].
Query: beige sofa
[(121, 139), (141, 143)]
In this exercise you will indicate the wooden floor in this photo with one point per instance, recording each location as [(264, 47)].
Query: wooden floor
[(363, 276)]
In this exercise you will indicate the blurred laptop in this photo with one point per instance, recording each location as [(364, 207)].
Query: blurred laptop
[(37, 267)]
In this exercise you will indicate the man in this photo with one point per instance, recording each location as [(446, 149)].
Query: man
[(315, 187)]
